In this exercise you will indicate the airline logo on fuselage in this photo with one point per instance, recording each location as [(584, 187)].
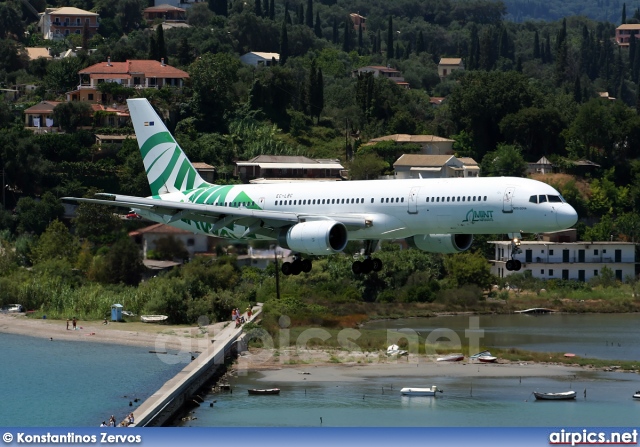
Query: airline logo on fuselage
[(479, 216)]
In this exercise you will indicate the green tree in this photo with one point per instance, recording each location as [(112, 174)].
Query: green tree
[(170, 248), (284, 43), (309, 16), (129, 15), (56, 243), (390, 54), (11, 24), (123, 263), (62, 74), (97, 223), (162, 50), (317, 28), (468, 268), (367, 167), (71, 115), (34, 216), (505, 161)]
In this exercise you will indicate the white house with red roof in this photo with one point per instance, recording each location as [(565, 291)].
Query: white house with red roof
[(380, 71), (147, 238), (132, 73)]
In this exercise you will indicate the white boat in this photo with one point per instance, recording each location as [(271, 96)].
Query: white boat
[(420, 391), (487, 359), (636, 395), (566, 395), (13, 308), (153, 318), (479, 354), (395, 350), (450, 358)]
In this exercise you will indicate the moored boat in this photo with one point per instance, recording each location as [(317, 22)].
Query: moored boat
[(420, 391), (450, 358), (636, 395), (487, 359), (566, 395), (153, 318), (264, 391)]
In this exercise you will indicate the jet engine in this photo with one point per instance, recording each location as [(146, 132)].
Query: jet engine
[(318, 237), (441, 243)]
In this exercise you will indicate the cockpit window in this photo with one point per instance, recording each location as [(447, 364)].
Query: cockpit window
[(542, 198), (562, 198), (555, 199), (533, 199)]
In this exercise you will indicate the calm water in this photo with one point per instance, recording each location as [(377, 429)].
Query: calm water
[(64, 383), (465, 402), (603, 336)]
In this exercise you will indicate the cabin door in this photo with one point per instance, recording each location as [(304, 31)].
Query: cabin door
[(413, 200), (507, 202)]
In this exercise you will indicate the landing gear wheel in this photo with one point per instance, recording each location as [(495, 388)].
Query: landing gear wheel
[(296, 267), (377, 264), (356, 267), (509, 265), (367, 266), (286, 268), (306, 265), (517, 265)]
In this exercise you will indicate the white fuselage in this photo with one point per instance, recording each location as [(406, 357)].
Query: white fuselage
[(396, 208)]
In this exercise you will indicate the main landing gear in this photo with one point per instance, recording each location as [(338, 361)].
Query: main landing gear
[(297, 266), (513, 264), (369, 264)]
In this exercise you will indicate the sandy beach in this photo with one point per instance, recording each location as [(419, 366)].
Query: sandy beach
[(314, 365)]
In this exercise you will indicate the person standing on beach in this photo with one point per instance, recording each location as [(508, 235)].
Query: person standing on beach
[(67, 324), (74, 323)]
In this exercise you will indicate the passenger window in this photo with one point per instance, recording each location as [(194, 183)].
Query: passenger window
[(448, 198), (542, 198), (352, 200), (463, 198), (381, 200), (427, 199), (371, 199), (323, 201), (485, 198), (533, 199), (474, 198), (437, 199), (469, 199), (387, 201)]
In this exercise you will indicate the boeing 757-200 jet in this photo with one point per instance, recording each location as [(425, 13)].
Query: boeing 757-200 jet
[(320, 217)]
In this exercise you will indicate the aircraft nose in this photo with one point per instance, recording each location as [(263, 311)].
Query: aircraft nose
[(566, 216)]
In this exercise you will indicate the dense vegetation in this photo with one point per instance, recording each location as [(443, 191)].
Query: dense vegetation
[(530, 88)]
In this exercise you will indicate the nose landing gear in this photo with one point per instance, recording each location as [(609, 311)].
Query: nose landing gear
[(513, 264)]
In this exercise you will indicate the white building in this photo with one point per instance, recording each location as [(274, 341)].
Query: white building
[(148, 236), (434, 166), (260, 59), (567, 260)]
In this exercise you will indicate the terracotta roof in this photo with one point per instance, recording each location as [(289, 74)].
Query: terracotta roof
[(629, 26), (281, 159), (164, 7), (35, 53), (44, 106), (200, 165), (423, 160), (404, 138), (468, 161), (70, 11), (159, 229), (381, 68), (450, 61), (150, 68)]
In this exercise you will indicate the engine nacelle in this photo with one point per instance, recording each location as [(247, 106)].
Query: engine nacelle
[(441, 243), (318, 237)]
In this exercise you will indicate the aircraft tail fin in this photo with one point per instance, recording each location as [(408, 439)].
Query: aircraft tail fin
[(168, 168)]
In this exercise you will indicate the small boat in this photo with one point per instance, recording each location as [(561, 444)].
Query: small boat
[(395, 350), (487, 359), (566, 395), (636, 395), (153, 318), (569, 355), (420, 391), (479, 354), (450, 358), (265, 391)]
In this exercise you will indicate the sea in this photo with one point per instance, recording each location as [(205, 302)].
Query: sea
[(65, 383), (60, 383)]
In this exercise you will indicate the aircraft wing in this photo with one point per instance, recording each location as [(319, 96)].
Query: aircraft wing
[(221, 216)]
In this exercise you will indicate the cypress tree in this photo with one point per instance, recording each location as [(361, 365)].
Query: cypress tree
[(311, 88), (184, 51), (335, 31), (272, 9), (265, 8), (360, 36), (284, 44), (536, 45), (390, 54), (320, 94), (374, 45), (257, 8), (379, 42), (346, 43), (300, 14), (153, 48), (224, 8), (162, 50), (287, 16), (317, 29), (632, 52), (635, 69), (577, 90), (309, 16), (624, 13), (519, 64), (420, 43)]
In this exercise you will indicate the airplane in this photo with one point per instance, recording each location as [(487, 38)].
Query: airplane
[(320, 217)]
